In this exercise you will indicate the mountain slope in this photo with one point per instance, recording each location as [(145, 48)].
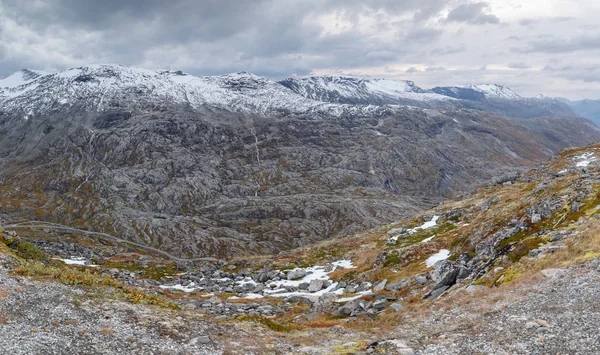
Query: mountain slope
[(349, 90), (234, 164), (585, 108)]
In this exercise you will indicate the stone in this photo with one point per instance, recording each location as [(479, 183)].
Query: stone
[(436, 292), (348, 309), (536, 218), (532, 325), (396, 307), (396, 286), (542, 323), (395, 231), (316, 285), (421, 279), (444, 273), (380, 286), (296, 274), (379, 305)]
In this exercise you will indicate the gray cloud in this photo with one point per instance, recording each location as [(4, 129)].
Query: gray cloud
[(441, 42), (473, 13), (551, 44), (519, 65)]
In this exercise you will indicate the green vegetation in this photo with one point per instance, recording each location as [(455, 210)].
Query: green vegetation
[(87, 277), (26, 250)]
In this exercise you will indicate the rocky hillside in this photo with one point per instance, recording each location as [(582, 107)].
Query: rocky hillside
[(512, 268), (238, 164)]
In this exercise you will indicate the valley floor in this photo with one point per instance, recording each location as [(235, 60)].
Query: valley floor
[(554, 314)]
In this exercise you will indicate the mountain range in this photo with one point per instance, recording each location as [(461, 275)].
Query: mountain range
[(238, 164)]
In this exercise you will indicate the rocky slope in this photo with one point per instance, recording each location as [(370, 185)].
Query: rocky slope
[(234, 164), (512, 268)]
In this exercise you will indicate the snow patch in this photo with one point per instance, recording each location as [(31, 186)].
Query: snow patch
[(441, 255), (75, 260), (585, 159), (191, 287)]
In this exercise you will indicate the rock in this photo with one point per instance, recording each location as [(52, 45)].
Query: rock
[(316, 285), (348, 308), (395, 231), (379, 305), (296, 274), (394, 346), (536, 218), (551, 273), (444, 273), (542, 323), (532, 325), (396, 286), (303, 299), (380, 286), (421, 279), (436, 292), (214, 300), (546, 249), (498, 269), (396, 307)]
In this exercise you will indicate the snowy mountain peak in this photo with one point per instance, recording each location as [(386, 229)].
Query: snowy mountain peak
[(22, 77), (495, 91), (351, 90)]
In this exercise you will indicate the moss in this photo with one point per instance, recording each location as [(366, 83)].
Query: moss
[(422, 234), (87, 277), (524, 247), (392, 259), (26, 250)]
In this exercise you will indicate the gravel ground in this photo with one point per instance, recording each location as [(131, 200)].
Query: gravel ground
[(50, 318), (558, 315)]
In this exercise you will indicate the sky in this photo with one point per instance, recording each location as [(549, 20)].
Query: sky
[(533, 46)]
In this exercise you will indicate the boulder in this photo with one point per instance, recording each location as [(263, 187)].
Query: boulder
[(380, 286), (444, 273), (296, 274), (316, 285)]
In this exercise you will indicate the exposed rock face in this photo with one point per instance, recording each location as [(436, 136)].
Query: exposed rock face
[(239, 164)]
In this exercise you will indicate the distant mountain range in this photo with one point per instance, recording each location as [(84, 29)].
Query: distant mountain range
[(237, 163), (585, 108)]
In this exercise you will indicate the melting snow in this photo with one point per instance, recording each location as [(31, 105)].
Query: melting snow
[(427, 239), (426, 225), (359, 295), (585, 159), (74, 261), (441, 255), (189, 288), (314, 273)]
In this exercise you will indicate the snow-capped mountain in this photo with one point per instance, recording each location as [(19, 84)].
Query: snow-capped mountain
[(479, 92), (99, 87), (350, 90)]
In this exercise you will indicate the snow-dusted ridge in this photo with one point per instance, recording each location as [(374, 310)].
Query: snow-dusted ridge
[(96, 87), (346, 89)]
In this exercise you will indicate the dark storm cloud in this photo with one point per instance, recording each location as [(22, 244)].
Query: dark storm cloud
[(211, 36), (473, 13)]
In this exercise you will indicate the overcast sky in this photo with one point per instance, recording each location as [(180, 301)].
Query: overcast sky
[(533, 46)]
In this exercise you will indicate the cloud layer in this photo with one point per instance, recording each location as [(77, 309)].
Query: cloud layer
[(541, 46)]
